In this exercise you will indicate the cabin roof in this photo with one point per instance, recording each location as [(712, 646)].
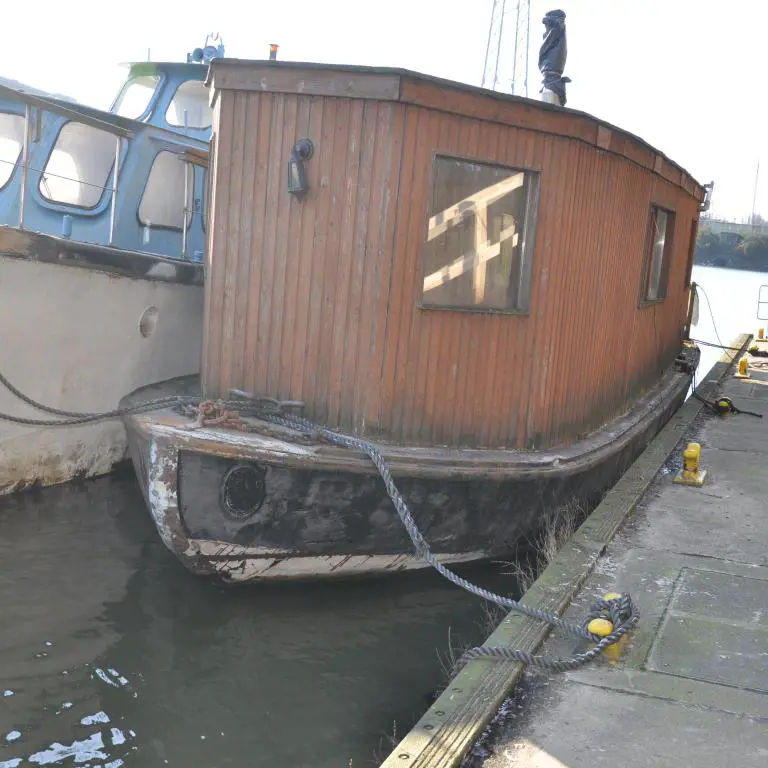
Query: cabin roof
[(406, 86), (171, 67)]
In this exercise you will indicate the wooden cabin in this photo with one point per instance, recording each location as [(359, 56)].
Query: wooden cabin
[(461, 267)]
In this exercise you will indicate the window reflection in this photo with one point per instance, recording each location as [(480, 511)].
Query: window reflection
[(11, 144), (162, 203), (191, 97), (474, 256), (78, 169), (135, 96)]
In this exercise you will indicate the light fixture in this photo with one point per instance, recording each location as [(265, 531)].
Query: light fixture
[(302, 151)]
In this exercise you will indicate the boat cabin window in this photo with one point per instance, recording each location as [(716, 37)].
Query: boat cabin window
[(477, 255), (135, 96), (191, 97), (162, 204), (659, 253), (11, 144), (79, 167)]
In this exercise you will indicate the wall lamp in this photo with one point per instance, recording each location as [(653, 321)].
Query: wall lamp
[(302, 151)]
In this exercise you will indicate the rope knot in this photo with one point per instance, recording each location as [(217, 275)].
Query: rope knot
[(610, 617)]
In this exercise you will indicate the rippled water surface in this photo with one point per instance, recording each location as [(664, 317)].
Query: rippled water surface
[(112, 654)]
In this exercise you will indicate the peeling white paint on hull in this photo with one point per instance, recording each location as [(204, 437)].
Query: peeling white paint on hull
[(242, 564)]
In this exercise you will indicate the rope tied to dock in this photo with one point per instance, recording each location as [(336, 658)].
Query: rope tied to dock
[(620, 612)]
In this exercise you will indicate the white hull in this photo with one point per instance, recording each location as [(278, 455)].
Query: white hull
[(71, 340)]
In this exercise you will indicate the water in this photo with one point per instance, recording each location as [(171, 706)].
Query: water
[(733, 295), (111, 654)]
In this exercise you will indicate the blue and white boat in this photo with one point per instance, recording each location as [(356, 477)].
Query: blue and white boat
[(102, 244)]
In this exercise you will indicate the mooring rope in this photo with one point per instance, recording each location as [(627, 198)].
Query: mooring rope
[(621, 612)]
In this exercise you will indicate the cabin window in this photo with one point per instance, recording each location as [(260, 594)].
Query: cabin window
[(659, 254), (11, 144), (135, 96), (189, 106), (79, 167), (162, 204), (478, 249)]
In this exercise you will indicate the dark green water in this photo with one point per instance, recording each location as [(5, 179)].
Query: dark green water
[(111, 654)]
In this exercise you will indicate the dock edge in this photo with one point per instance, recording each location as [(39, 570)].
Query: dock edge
[(458, 717)]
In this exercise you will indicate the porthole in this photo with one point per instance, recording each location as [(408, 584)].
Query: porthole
[(148, 321), (243, 491)]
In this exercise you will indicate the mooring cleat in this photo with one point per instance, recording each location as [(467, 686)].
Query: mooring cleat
[(692, 473), (603, 627), (743, 371)]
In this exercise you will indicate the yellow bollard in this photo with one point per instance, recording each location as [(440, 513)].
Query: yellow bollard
[(692, 473), (604, 627), (761, 334), (743, 372)]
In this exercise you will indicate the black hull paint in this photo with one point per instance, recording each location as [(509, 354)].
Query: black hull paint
[(318, 523)]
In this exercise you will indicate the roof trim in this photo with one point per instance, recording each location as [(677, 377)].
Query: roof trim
[(406, 86)]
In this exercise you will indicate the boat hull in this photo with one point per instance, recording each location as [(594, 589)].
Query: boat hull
[(321, 511), (79, 337)]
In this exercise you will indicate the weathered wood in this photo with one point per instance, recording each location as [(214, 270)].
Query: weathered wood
[(319, 298), (306, 81)]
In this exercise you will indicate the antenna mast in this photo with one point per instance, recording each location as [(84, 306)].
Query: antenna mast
[(508, 48)]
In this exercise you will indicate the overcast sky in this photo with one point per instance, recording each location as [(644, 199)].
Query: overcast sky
[(685, 75)]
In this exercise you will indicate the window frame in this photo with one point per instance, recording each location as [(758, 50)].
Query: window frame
[(104, 199), (17, 163), (528, 245), (666, 258), (170, 103), (167, 227), (152, 102)]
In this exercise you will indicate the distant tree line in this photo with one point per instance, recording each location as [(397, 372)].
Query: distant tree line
[(737, 250)]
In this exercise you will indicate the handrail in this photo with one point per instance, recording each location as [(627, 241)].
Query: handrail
[(73, 114), (197, 157)]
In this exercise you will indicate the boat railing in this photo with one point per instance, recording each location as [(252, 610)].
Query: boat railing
[(34, 108)]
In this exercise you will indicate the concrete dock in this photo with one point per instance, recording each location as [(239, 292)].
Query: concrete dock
[(691, 685)]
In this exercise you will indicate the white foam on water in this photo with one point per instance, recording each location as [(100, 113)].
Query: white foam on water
[(98, 717), (81, 751), (118, 737)]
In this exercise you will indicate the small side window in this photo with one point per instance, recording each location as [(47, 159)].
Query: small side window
[(78, 169), (659, 254), (11, 144), (479, 245), (162, 204), (191, 97)]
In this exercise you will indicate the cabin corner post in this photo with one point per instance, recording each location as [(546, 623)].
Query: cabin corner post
[(25, 162)]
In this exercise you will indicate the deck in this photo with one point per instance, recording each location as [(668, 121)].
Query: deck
[(691, 688)]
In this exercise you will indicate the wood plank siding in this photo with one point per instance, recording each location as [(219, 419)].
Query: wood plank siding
[(320, 299)]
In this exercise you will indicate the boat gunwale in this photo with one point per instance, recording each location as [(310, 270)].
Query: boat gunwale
[(65, 252), (419, 461)]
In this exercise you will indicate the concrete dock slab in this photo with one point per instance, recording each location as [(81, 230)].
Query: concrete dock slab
[(691, 687)]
